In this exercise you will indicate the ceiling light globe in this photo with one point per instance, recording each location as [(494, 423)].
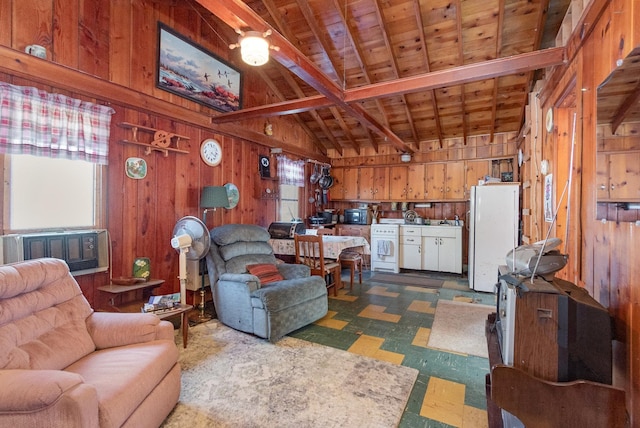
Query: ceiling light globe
[(254, 49)]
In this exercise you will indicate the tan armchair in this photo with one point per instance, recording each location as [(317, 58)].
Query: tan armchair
[(64, 365)]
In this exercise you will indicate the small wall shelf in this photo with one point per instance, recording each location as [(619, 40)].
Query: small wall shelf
[(162, 140)]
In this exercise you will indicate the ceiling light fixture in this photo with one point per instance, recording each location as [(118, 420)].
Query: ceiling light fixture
[(254, 47), (405, 157)]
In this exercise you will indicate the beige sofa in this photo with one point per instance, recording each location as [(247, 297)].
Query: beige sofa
[(64, 365)]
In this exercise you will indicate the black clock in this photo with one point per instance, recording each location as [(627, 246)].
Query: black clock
[(265, 164)]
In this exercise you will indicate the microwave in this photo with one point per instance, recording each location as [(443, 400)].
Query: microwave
[(357, 216)]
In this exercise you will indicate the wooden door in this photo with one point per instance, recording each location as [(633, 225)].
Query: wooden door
[(416, 178), (454, 181), (398, 182), (434, 173)]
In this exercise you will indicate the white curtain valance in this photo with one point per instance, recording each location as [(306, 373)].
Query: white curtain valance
[(35, 122), (290, 172)]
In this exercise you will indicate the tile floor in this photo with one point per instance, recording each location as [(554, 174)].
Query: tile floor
[(392, 323)]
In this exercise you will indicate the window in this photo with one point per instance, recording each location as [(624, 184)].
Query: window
[(46, 193), (289, 202)]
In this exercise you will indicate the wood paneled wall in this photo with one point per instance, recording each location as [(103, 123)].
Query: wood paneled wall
[(116, 41), (603, 255)]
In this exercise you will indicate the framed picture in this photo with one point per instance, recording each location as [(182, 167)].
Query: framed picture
[(191, 71), (548, 198)]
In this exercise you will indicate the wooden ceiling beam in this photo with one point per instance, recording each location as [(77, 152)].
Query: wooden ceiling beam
[(629, 103), (428, 81), (396, 72), (427, 64), (459, 75), (238, 15), (496, 81)]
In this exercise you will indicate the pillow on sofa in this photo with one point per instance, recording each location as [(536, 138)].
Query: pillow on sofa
[(265, 272)]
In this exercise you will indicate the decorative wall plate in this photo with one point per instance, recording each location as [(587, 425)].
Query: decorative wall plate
[(135, 168), (233, 193), (549, 121)]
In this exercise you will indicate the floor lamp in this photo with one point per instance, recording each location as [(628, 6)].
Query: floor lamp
[(212, 197)]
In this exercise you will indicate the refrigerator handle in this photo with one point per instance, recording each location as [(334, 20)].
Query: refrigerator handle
[(466, 220)]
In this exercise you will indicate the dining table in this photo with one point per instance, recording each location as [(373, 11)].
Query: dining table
[(332, 245)]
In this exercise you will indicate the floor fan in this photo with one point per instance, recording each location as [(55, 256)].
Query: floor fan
[(191, 240)]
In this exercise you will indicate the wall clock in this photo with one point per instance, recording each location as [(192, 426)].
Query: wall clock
[(211, 152), (265, 163)]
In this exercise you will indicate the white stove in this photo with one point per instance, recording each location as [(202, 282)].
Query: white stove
[(385, 237)]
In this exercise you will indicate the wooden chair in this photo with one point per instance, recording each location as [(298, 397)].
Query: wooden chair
[(309, 251), (348, 258)]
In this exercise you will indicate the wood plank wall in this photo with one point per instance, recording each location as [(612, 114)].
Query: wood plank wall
[(603, 255), (116, 41)]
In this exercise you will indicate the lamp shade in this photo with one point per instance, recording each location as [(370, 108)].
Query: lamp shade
[(254, 48), (214, 197)]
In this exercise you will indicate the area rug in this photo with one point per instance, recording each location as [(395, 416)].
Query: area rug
[(233, 379), (407, 279), (459, 327)]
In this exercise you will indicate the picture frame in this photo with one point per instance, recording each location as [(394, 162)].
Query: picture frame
[(548, 198), (189, 70)]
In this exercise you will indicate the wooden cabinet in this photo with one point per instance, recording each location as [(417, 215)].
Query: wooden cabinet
[(454, 181), (398, 182), (474, 171), (445, 181), (618, 176), (345, 183), (374, 183), (434, 173), (407, 182)]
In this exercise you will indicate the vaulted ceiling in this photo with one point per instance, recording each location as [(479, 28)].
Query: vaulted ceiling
[(363, 73)]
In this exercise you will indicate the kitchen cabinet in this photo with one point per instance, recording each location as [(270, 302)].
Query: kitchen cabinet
[(435, 248), (618, 176), (410, 247), (407, 182), (442, 248), (454, 181), (374, 183), (345, 184), (445, 181), (474, 171)]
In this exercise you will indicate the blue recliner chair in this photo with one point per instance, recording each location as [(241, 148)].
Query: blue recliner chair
[(268, 310)]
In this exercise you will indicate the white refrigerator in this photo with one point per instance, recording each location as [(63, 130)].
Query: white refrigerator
[(493, 232)]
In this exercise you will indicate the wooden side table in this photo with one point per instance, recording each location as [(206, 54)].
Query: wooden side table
[(118, 291), (181, 310)]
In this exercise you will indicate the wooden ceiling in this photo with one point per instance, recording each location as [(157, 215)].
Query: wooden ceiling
[(363, 73)]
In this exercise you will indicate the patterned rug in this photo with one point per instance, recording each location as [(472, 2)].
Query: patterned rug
[(416, 280), (233, 379), (459, 327)]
